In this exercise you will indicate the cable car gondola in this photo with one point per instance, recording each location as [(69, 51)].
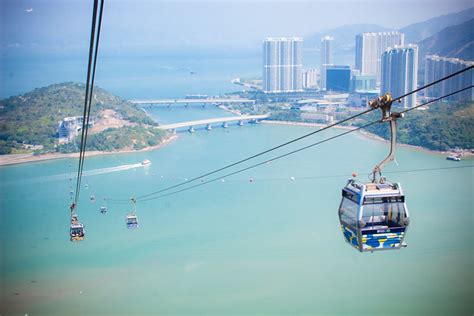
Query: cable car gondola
[(103, 209), (374, 216), (76, 231), (131, 219)]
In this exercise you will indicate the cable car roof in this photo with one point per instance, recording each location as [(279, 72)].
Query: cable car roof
[(373, 189)]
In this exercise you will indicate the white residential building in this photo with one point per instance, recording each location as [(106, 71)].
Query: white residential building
[(282, 64)]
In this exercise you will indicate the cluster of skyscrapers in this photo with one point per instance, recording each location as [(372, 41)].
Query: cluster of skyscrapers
[(369, 50), (383, 64)]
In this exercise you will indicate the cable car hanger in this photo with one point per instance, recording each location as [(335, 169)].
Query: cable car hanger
[(384, 103)]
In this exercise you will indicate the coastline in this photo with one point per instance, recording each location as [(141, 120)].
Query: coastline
[(365, 134), (14, 159)]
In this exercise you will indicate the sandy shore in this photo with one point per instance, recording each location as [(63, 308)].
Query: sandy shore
[(25, 158), (365, 134), (223, 107)]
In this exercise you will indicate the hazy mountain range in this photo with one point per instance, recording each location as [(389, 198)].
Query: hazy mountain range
[(448, 35), (453, 41)]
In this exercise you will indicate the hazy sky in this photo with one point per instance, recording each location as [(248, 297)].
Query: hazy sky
[(63, 26)]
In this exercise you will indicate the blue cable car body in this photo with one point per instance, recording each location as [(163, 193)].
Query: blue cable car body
[(132, 221), (373, 216)]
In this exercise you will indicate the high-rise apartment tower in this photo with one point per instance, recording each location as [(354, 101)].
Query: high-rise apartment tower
[(369, 50), (400, 73), (437, 67), (282, 64)]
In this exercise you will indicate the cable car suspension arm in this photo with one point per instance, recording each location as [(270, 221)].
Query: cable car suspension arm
[(384, 103)]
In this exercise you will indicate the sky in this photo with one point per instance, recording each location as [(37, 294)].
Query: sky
[(62, 27)]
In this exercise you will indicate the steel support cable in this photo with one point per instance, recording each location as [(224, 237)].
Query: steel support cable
[(286, 143), (93, 46), (338, 176), (84, 115), (298, 150), (433, 83), (96, 50)]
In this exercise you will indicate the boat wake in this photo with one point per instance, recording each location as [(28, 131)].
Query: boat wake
[(88, 173)]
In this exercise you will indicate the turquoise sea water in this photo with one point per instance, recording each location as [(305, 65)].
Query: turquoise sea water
[(272, 246)]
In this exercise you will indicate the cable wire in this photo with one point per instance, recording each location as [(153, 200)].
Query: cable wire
[(433, 83), (297, 150), (288, 142), (91, 68), (92, 86)]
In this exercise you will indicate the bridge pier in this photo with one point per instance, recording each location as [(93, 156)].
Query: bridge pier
[(172, 131), (191, 129), (186, 105), (208, 127), (224, 125), (241, 123)]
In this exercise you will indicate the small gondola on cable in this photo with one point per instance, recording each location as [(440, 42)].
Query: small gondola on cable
[(76, 231), (374, 216), (103, 209), (131, 219)]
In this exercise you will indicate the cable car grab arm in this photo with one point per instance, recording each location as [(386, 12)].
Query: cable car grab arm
[(385, 103)]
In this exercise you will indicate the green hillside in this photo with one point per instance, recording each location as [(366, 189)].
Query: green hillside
[(419, 31), (442, 126), (33, 119), (454, 41)]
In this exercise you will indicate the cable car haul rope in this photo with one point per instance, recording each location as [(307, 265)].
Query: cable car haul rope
[(77, 231), (373, 216)]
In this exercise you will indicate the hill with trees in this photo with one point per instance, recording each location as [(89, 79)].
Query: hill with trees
[(33, 119), (454, 41)]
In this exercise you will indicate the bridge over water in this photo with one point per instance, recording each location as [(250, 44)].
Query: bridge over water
[(208, 122), (215, 101)]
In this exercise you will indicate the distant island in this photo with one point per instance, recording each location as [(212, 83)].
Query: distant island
[(49, 120)]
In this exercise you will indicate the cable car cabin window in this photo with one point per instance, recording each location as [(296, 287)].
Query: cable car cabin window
[(348, 211), (384, 212), (77, 231)]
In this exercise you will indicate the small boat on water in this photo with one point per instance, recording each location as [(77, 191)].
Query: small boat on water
[(454, 157), (146, 162)]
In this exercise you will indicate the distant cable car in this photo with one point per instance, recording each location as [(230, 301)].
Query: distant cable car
[(103, 209), (374, 216), (76, 231), (131, 219)]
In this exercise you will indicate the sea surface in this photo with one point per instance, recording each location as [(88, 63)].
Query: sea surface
[(263, 242), (142, 75)]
